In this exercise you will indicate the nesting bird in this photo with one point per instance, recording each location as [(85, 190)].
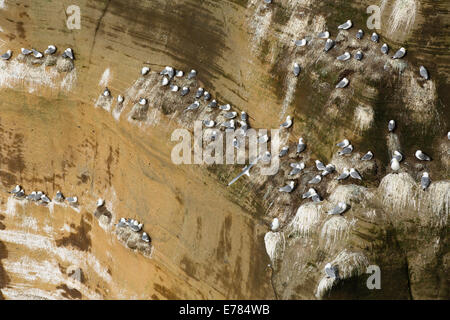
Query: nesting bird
[(51, 49), (296, 69), (142, 101), (68, 53), (422, 156), (331, 271), (359, 55), (7, 55), (344, 175), (192, 74), (284, 151), (355, 174), (230, 115), (424, 73), (343, 83), (329, 44), (106, 92), (212, 104), (344, 143), (395, 164), (359, 34), (25, 52), (72, 200), (319, 165), (184, 91), (193, 106), (296, 168), (208, 123), (391, 125), (301, 146), (275, 224), (345, 26), (400, 53), (145, 237), (367, 156), (145, 70), (288, 188), (425, 180), (287, 124), (120, 98), (344, 57), (225, 107), (37, 54), (199, 93), (59, 196), (374, 37), (328, 169), (347, 150), (340, 208), (385, 48), (315, 180), (301, 43), (323, 35)]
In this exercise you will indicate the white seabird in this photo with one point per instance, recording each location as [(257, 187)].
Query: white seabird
[(208, 123), (347, 150), (359, 55), (145, 237), (425, 180), (284, 151), (424, 73), (397, 155), (25, 52), (244, 116), (37, 54), (374, 37), (367, 156), (145, 70), (301, 43), (72, 200), (100, 203), (20, 194), (391, 125), (400, 53), (266, 157), (328, 169), (142, 101), (59, 196), (168, 71), (315, 180), (106, 92), (193, 106), (45, 199), (212, 104), (339, 209), (296, 168), (199, 92), (225, 107), (230, 115), (344, 175), (344, 57), (359, 34), (179, 73), (7, 55), (287, 124), (164, 81), (342, 84), (422, 156), (206, 95), (347, 25), (331, 271), (122, 223), (120, 98), (38, 195), (301, 146), (296, 69), (275, 224), (184, 91), (228, 124), (174, 88), (309, 193), (328, 45), (344, 143), (16, 189), (287, 188), (31, 196), (192, 74), (385, 48), (51, 49), (319, 165), (355, 174), (395, 164), (68, 53), (323, 35)]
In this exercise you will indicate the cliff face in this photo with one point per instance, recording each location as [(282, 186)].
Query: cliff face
[(210, 241)]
